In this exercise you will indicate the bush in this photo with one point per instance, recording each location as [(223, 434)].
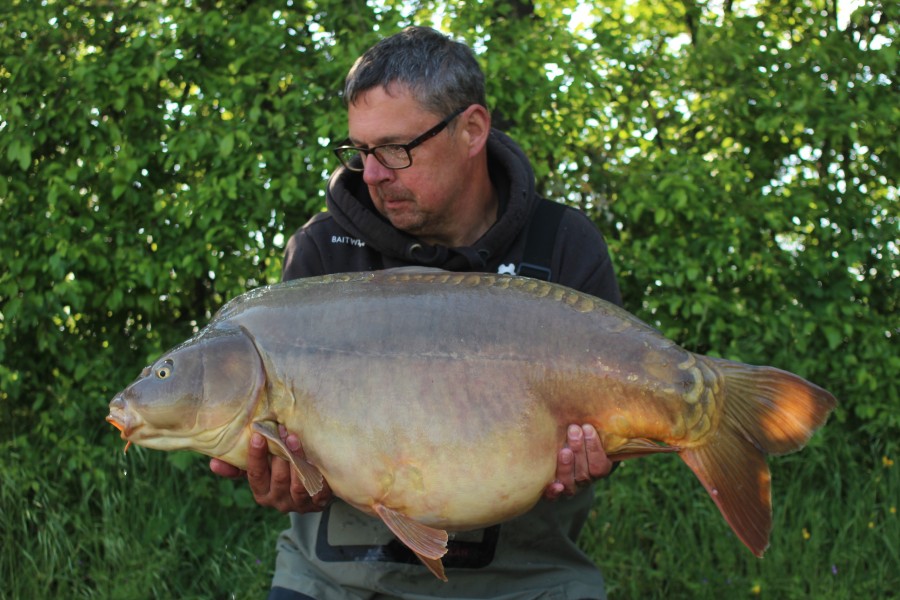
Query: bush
[(155, 156)]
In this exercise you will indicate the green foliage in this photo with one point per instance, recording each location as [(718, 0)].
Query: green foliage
[(155, 156), (743, 163), (79, 540), (154, 160), (656, 533)]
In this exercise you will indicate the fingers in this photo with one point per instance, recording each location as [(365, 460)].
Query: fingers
[(299, 494), (274, 482), (575, 441), (320, 501), (565, 476), (223, 469), (258, 472), (553, 491), (598, 463), (579, 462)]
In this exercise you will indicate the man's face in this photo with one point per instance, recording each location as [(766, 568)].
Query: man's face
[(422, 199)]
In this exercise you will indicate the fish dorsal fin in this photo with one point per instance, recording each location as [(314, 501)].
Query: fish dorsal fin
[(428, 543), (310, 476), (413, 270)]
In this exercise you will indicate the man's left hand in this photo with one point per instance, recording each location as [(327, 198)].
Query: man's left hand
[(581, 461)]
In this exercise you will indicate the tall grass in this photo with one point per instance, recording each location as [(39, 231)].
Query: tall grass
[(162, 527), (156, 531), (836, 531)]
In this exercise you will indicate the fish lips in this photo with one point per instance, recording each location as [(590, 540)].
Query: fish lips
[(121, 418)]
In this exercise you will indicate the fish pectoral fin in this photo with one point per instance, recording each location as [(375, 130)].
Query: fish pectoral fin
[(428, 543), (636, 447), (310, 476)]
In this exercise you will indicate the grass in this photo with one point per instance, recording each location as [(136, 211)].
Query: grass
[(156, 531), (836, 531), (163, 527)]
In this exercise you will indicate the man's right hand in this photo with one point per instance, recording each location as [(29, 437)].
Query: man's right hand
[(272, 480)]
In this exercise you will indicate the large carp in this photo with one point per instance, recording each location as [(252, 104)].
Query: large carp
[(405, 386)]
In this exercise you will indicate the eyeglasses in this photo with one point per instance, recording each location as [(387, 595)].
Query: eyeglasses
[(392, 156)]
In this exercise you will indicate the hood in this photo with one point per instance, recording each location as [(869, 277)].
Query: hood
[(349, 203)]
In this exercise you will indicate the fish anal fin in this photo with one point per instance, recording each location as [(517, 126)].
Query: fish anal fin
[(428, 543), (309, 475), (624, 449), (736, 476)]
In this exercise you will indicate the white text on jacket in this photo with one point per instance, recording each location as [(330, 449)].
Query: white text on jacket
[(343, 239)]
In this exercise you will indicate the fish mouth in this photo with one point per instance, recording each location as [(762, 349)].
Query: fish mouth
[(119, 418)]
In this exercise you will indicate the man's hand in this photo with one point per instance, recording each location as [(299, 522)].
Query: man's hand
[(581, 461), (272, 480)]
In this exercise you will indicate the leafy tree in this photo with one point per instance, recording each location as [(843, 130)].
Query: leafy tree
[(152, 161), (743, 163), (154, 156)]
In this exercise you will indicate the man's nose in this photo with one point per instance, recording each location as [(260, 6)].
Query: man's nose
[(374, 172)]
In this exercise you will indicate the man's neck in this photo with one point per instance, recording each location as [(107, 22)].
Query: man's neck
[(475, 221)]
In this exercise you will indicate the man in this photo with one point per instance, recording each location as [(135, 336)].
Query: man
[(426, 181)]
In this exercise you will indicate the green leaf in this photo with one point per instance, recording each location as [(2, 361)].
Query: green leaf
[(833, 336), (226, 144), (19, 152)]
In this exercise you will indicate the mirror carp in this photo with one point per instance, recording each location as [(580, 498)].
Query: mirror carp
[(404, 386)]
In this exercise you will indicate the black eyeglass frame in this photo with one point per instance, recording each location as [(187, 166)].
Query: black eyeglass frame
[(348, 162)]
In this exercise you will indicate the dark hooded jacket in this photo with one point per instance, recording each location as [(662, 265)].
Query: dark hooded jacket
[(353, 236), (323, 555)]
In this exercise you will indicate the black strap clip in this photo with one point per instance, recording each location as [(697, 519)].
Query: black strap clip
[(534, 271)]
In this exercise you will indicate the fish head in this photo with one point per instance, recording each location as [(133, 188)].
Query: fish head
[(199, 396)]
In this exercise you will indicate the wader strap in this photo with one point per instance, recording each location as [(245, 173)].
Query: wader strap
[(541, 240)]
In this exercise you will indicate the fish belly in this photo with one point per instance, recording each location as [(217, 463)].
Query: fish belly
[(439, 443)]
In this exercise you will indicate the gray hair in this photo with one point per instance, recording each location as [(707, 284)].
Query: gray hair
[(440, 73)]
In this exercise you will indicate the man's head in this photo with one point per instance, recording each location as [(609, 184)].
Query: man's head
[(418, 132), (440, 73)]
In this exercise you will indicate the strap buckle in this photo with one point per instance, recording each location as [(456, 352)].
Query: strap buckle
[(534, 271)]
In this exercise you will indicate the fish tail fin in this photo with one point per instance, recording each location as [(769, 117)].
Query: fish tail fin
[(736, 476), (766, 411), (776, 410)]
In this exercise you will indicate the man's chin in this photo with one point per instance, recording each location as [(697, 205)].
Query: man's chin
[(405, 218)]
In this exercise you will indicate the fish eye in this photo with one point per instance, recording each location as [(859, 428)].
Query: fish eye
[(165, 370)]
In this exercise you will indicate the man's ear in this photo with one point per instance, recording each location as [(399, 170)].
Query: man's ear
[(476, 123)]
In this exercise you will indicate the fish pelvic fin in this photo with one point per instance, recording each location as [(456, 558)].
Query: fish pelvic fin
[(310, 476), (623, 449), (428, 543), (765, 411)]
